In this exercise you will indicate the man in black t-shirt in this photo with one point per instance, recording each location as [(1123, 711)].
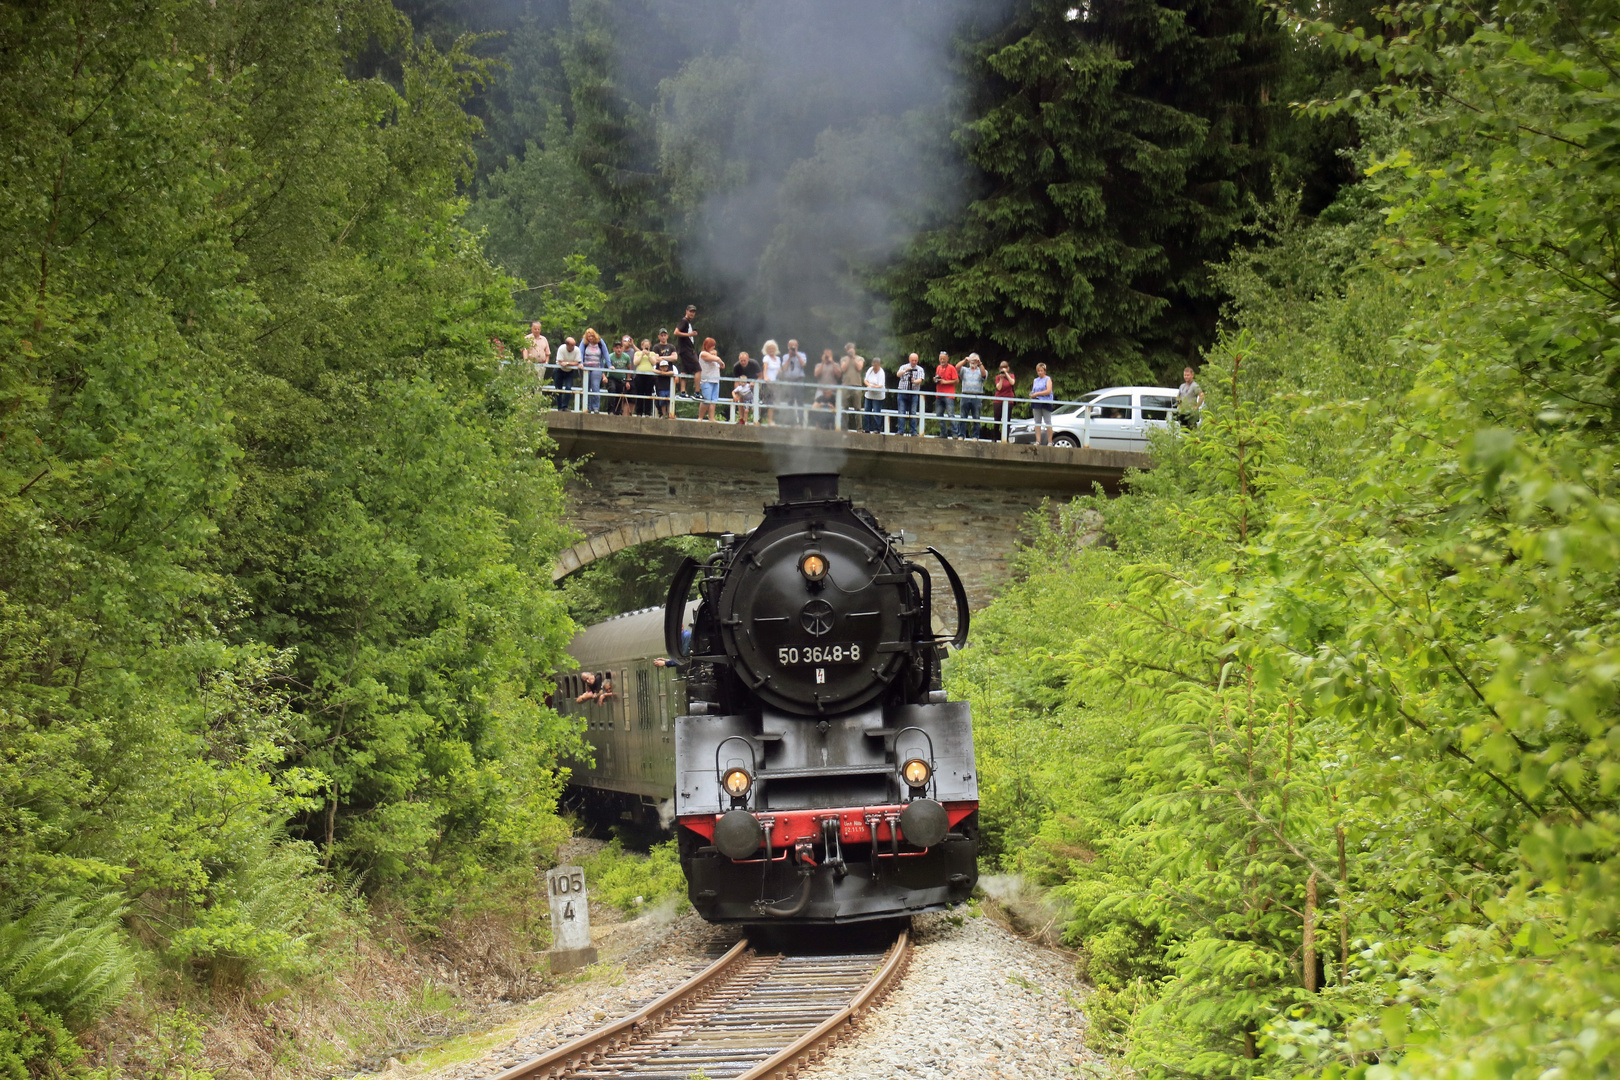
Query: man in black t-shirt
[(686, 347), (663, 347), (665, 351)]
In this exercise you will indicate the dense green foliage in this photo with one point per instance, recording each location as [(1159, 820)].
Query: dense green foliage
[(1031, 179), (33, 1042), (274, 522), (1123, 144), (629, 580), (1330, 769), (636, 883), (1321, 745)]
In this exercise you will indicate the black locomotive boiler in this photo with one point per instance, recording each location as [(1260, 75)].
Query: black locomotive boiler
[(820, 774)]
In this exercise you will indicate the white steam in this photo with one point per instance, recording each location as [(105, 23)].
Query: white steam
[(805, 450), (808, 144), (1027, 909)]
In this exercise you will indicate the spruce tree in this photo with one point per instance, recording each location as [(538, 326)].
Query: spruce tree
[(613, 57), (1118, 143)]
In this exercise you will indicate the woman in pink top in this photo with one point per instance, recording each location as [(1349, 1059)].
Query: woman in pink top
[(1005, 387)]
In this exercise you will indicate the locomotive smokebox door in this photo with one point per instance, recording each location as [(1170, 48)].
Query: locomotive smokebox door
[(570, 919)]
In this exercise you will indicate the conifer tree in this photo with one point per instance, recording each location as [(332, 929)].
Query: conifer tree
[(616, 146), (1117, 143)]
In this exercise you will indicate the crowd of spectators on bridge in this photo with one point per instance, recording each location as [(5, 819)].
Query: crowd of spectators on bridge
[(962, 397)]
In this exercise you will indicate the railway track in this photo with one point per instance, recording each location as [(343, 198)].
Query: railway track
[(745, 1017)]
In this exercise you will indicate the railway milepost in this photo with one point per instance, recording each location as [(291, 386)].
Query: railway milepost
[(570, 919)]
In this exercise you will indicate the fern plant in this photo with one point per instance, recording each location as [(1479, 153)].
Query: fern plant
[(67, 955)]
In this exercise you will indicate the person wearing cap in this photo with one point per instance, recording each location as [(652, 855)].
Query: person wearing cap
[(971, 375), (686, 351), (663, 375), (620, 361)]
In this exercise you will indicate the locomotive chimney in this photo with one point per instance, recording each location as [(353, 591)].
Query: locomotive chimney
[(803, 487)]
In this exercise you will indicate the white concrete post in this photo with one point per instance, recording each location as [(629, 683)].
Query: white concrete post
[(570, 919)]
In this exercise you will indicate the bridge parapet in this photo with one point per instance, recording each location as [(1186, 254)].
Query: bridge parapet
[(773, 450), (642, 478)]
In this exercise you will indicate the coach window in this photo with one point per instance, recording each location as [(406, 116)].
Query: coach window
[(665, 677), (644, 695)]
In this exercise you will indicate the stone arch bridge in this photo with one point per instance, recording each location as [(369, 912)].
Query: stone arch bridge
[(642, 478)]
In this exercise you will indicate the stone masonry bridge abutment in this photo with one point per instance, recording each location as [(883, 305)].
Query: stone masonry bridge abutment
[(642, 478)]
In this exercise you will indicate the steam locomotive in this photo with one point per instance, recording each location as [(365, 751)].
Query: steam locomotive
[(816, 770)]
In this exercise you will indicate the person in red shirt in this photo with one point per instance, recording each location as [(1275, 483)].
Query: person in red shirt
[(1005, 384), (945, 380)]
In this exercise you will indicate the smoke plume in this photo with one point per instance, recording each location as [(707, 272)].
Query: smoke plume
[(805, 450), (805, 146)]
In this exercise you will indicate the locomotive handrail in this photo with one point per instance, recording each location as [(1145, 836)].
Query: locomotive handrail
[(675, 608), (913, 568)]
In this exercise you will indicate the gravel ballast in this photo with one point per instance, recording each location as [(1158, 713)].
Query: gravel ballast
[(977, 1001), (640, 961)]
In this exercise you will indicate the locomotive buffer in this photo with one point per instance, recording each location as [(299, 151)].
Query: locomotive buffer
[(820, 776)]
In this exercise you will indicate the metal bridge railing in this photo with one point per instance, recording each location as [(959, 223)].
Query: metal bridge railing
[(809, 404)]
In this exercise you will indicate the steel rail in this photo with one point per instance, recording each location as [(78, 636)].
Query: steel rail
[(594, 1044), (812, 1044), (732, 1020)]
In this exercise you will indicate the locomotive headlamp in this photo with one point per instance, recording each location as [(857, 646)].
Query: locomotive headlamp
[(916, 772), (813, 566), (737, 782)]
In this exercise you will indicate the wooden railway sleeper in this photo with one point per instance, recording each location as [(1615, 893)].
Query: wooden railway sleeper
[(713, 1018)]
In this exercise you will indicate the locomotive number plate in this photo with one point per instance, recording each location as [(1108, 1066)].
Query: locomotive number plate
[(849, 653)]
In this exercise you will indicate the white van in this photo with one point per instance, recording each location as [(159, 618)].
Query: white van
[(1117, 418)]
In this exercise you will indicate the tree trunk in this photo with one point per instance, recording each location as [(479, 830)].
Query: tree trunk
[(1344, 911), (1310, 933)]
